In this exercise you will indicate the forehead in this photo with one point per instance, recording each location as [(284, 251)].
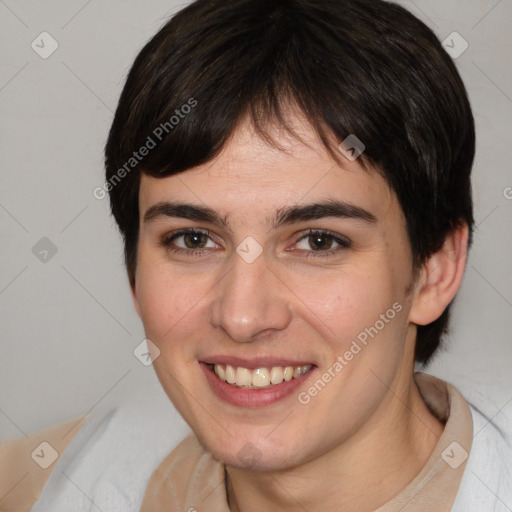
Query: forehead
[(251, 177)]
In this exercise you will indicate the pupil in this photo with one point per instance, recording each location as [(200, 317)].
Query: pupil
[(192, 239), (320, 241)]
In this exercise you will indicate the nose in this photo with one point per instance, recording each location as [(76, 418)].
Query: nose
[(250, 301)]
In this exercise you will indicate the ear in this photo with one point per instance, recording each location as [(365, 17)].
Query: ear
[(440, 278), (136, 303)]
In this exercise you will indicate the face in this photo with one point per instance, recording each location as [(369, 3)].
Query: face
[(303, 309)]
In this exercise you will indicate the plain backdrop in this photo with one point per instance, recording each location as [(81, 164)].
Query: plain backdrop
[(68, 327)]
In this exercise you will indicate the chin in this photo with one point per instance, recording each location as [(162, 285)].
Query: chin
[(257, 453)]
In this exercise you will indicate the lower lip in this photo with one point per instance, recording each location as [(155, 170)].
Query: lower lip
[(252, 397)]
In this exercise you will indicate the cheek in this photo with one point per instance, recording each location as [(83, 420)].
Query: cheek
[(344, 303), (168, 301)]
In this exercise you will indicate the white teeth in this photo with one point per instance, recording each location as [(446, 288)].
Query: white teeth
[(243, 377), (288, 373), (260, 377), (219, 370), (276, 375), (230, 374)]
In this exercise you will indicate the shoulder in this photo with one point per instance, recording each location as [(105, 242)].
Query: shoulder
[(27, 462), (114, 454), (487, 480)]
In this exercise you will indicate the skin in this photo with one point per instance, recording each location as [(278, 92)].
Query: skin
[(368, 433)]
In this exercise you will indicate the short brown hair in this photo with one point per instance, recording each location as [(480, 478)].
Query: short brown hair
[(363, 67)]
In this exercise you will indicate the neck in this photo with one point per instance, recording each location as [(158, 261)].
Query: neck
[(361, 474)]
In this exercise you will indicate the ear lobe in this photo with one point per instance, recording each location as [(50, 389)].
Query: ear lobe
[(440, 278)]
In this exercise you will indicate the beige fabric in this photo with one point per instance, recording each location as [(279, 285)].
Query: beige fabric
[(436, 486), (190, 479), (22, 461)]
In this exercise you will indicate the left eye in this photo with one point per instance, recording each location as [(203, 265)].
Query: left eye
[(322, 241), (189, 240)]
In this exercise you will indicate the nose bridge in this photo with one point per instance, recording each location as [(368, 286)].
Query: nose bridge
[(249, 300)]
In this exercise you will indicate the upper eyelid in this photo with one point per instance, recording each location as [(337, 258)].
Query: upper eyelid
[(181, 232), (336, 236)]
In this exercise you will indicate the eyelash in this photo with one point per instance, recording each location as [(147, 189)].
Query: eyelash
[(343, 242)]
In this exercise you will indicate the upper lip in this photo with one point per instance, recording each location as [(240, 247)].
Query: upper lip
[(254, 362)]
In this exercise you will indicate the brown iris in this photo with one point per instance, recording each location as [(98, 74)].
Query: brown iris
[(193, 239), (320, 241)]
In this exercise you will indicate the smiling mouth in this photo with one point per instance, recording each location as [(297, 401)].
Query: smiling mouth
[(259, 378)]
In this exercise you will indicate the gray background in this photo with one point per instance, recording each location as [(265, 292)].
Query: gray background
[(68, 325)]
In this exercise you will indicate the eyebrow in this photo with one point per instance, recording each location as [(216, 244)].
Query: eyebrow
[(284, 216)]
